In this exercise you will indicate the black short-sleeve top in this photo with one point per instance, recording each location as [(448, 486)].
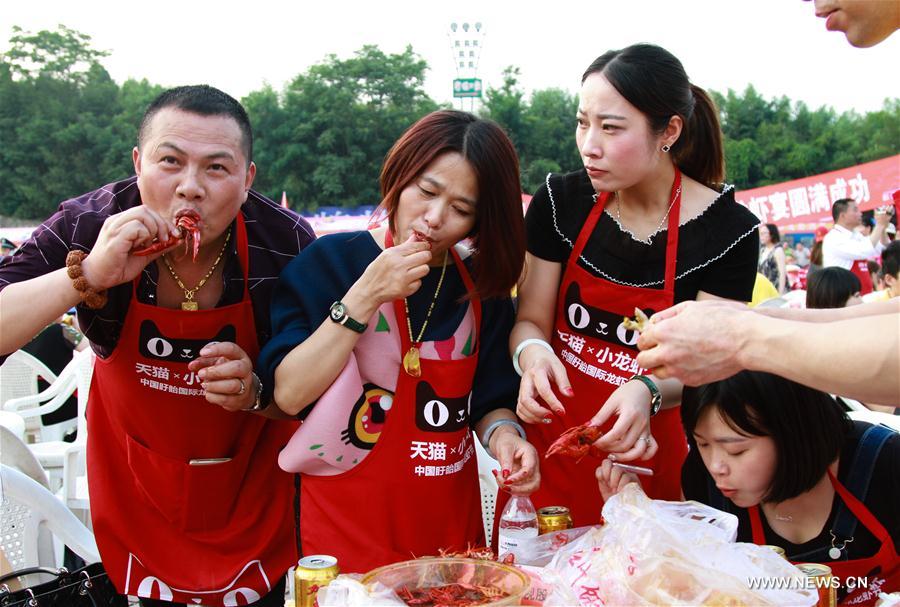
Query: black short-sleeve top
[(717, 250)]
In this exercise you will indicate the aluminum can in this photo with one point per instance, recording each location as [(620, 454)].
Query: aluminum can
[(823, 585), (777, 550), (312, 573), (553, 518)]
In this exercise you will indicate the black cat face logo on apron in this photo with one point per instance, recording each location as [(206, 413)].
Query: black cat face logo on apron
[(589, 321), (436, 413), (154, 344)]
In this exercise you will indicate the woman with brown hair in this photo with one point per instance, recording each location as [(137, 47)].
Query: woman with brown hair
[(646, 223), (392, 344)]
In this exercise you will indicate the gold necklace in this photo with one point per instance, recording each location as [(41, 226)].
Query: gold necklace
[(189, 304), (411, 359)]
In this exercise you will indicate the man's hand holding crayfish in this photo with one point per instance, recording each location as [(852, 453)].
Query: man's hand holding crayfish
[(112, 260)]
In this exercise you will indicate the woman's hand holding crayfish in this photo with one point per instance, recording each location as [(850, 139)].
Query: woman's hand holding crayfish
[(629, 438), (396, 273)]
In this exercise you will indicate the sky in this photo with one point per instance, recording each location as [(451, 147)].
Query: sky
[(777, 45)]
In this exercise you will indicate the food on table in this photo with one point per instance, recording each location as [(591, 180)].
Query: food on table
[(451, 595), (449, 581)]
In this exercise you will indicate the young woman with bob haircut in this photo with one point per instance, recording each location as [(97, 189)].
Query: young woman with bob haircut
[(392, 344), (646, 223), (798, 474), (832, 287)]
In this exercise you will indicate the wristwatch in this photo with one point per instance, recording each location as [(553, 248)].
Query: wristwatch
[(655, 396), (339, 315)]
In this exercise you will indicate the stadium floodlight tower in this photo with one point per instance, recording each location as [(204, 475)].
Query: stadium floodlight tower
[(466, 43)]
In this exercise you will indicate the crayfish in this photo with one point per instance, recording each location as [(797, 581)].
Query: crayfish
[(639, 323), (450, 595), (577, 442), (480, 553), (188, 223)]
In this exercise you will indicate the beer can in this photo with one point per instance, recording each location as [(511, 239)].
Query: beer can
[(312, 573), (777, 550), (553, 518), (822, 576)]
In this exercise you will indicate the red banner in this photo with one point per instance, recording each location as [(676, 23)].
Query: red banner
[(803, 204)]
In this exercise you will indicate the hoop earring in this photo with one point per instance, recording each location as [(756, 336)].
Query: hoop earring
[(666, 147)]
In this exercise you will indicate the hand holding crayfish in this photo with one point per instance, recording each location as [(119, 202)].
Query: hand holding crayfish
[(111, 261)]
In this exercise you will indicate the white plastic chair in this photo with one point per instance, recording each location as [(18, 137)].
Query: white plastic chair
[(488, 482), (858, 411), (13, 422), (795, 299), (16, 454), (19, 375), (33, 405), (31, 517), (63, 461), (792, 299)]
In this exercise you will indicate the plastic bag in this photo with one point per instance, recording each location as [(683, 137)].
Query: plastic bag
[(652, 552), (347, 591), (546, 588), (888, 600), (540, 550)]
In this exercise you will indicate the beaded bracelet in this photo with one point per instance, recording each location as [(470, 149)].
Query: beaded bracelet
[(90, 297)]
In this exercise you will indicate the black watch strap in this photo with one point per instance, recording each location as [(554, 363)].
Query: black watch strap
[(655, 396), (338, 314)]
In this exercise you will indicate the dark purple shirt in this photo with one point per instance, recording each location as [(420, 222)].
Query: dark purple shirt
[(274, 235)]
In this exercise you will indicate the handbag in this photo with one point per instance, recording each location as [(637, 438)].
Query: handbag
[(88, 586)]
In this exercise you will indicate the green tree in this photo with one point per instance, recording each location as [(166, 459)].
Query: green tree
[(770, 141), (548, 136), (62, 54), (506, 106), (65, 126), (324, 140), (541, 127), (271, 138)]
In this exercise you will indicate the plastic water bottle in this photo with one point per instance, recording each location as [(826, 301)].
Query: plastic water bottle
[(518, 522)]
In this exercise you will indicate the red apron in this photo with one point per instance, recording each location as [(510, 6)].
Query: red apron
[(882, 569), (210, 532), (418, 491), (599, 356), (860, 269)]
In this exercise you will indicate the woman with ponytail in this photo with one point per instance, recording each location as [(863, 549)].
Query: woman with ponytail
[(646, 223)]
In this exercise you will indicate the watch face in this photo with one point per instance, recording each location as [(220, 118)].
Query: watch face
[(337, 311)]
